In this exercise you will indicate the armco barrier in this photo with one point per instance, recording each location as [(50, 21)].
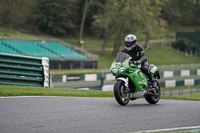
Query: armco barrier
[(182, 73), (187, 81), (24, 70), (163, 84), (109, 76), (175, 83)]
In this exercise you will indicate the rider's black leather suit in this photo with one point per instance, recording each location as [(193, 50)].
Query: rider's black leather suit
[(138, 54)]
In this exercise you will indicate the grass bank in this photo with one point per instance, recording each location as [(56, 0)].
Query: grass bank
[(75, 71), (7, 90), (161, 54), (181, 88), (158, 54)]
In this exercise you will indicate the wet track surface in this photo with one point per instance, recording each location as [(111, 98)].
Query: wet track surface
[(93, 115)]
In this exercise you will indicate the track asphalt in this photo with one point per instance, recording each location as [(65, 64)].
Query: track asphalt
[(93, 115)]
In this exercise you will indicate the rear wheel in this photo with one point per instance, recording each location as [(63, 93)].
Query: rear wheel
[(121, 92), (154, 96)]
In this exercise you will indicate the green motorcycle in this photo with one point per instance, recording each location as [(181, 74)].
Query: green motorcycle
[(131, 83)]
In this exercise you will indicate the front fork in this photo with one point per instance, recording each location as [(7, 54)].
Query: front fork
[(125, 80), (125, 91)]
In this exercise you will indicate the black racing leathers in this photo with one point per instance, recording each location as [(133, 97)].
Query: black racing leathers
[(138, 54)]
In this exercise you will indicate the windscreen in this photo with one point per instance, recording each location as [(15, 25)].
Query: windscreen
[(121, 57)]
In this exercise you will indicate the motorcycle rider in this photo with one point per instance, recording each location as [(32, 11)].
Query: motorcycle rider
[(137, 53)]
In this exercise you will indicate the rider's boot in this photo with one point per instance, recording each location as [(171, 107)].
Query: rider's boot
[(153, 81)]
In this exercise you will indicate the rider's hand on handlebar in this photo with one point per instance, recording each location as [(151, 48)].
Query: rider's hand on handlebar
[(132, 62), (138, 62)]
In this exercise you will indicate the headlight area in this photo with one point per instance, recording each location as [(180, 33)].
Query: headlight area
[(114, 70), (122, 69)]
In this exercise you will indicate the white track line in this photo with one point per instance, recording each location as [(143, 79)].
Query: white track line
[(170, 129), (24, 97)]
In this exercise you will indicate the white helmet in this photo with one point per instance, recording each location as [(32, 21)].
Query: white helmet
[(130, 41)]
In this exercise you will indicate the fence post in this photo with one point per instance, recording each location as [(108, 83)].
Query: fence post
[(102, 78), (45, 63)]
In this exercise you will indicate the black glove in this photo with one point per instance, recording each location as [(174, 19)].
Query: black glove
[(138, 62), (132, 62)]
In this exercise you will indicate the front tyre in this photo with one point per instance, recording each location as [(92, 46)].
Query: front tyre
[(154, 97), (121, 92)]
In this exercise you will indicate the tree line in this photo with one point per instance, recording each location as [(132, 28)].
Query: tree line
[(106, 19)]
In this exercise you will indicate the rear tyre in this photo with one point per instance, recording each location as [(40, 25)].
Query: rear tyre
[(154, 97), (121, 92)]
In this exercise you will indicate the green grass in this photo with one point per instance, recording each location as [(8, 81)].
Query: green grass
[(190, 97), (158, 33), (193, 95), (157, 54), (105, 60), (91, 44), (173, 67), (6, 90), (164, 55), (180, 88), (21, 33), (75, 71)]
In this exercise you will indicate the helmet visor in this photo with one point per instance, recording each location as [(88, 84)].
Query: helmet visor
[(129, 44)]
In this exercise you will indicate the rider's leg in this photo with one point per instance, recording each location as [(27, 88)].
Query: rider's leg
[(145, 69)]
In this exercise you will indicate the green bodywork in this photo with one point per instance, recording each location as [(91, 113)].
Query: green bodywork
[(153, 69), (133, 72)]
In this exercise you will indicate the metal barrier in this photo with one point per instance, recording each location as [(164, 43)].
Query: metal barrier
[(168, 79), (91, 61), (24, 70), (108, 76)]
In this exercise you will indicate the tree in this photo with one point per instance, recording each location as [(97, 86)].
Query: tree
[(104, 23), (86, 6), (15, 13), (103, 28), (150, 14), (113, 23), (127, 16), (181, 12), (56, 17)]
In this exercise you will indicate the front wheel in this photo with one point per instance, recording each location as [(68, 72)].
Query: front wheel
[(121, 92), (154, 97)]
